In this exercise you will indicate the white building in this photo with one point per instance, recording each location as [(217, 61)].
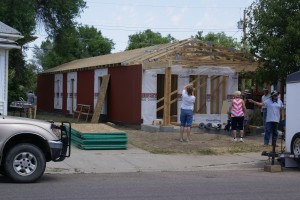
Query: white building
[(8, 38)]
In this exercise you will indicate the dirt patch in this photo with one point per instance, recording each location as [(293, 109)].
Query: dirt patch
[(202, 143), (94, 128)]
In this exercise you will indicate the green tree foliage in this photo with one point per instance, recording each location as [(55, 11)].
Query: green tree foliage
[(92, 43), (29, 77), (26, 16), (274, 32), (219, 39), (82, 42), (58, 15), (147, 38), (45, 56)]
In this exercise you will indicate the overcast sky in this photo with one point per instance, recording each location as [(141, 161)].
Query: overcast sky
[(117, 19)]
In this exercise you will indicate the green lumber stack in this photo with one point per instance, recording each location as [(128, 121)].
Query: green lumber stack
[(98, 137)]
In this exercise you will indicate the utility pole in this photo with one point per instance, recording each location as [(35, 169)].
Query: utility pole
[(242, 25), (244, 30)]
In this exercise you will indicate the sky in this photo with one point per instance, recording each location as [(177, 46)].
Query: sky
[(117, 19)]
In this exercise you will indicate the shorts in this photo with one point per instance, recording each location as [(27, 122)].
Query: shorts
[(237, 123), (186, 117)]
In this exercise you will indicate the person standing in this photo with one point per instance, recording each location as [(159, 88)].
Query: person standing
[(186, 111), (30, 97), (249, 109), (31, 111), (274, 109), (264, 108), (237, 109)]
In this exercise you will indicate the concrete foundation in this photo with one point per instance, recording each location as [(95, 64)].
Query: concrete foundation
[(159, 128), (166, 129), (150, 128), (272, 168)]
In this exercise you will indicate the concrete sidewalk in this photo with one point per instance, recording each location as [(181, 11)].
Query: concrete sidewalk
[(137, 160)]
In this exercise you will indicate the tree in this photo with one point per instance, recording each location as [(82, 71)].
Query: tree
[(219, 39), (92, 43), (27, 82), (147, 38), (26, 16), (273, 36), (82, 42), (45, 56)]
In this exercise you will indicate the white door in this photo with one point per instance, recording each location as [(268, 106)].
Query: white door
[(72, 92), (3, 81), (58, 89)]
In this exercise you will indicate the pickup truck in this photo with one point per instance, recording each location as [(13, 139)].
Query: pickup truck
[(27, 144)]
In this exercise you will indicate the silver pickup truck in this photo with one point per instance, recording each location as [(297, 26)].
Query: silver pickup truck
[(27, 144)]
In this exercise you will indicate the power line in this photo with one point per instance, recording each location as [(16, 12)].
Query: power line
[(163, 28), (172, 31), (160, 29), (167, 6)]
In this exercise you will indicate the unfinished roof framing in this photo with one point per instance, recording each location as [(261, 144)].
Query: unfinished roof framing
[(187, 53)]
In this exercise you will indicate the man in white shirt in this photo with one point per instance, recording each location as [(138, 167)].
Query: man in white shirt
[(274, 110), (30, 97)]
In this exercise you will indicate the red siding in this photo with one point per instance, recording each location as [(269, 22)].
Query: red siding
[(45, 92), (85, 87), (124, 99)]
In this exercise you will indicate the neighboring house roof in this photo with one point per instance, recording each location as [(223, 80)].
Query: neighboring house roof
[(188, 52), (8, 36), (8, 30)]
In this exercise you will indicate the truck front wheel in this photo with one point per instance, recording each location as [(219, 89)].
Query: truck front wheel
[(25, 163), (295, 144)]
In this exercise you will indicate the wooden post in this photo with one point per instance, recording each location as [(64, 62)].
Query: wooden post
[(202, 100), (218, 96), (100, 101), (167, 96), (243, 85), (212, 97), (224, 86)]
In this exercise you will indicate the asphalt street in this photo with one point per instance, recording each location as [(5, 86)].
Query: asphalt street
[(206, 184), (135, 174)]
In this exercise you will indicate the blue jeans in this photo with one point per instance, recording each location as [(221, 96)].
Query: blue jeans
[(264, 111), (186, 118), (271, 128)]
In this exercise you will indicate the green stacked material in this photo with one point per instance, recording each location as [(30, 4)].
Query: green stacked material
[(93, 141)]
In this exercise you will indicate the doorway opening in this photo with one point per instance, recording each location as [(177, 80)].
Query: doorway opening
[(160, 94)]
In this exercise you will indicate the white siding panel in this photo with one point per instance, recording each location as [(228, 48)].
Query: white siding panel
[(58, 91)]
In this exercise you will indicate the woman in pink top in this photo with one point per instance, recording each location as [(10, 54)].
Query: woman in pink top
[(237, 110)]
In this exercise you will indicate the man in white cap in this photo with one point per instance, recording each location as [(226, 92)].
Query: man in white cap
[(274, 108)]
